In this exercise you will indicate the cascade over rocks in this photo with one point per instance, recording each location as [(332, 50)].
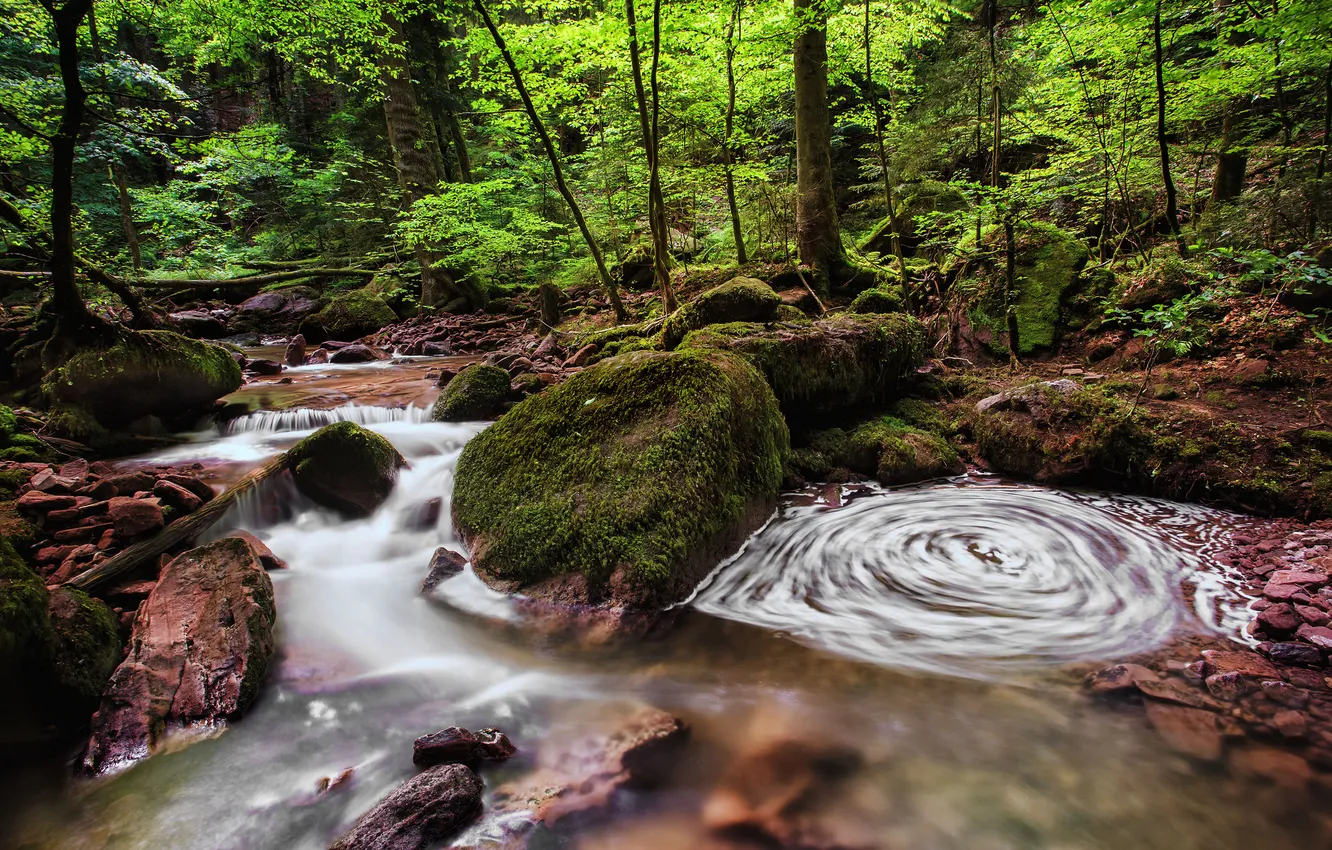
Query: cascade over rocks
[(419, 813), (345, 467), (201, 646), (625, 484), (143, 373)]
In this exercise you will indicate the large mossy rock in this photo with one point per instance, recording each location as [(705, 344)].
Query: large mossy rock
[(345, 467), (626, 483), (477, 392), (913, 199), (348, 316), (741, 299), (25, 649), (877, 300), (87, 645), (843, 362), (886, 448), (144, 373), (19, 447), (1047, 270)]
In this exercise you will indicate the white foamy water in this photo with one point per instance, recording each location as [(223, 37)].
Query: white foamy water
[(977, 580)]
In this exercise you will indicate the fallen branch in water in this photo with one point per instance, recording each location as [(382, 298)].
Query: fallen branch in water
[(182, 530)]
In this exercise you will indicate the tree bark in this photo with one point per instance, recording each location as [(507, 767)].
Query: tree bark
[(818, 239), (537, 124), (1327, 123), (728, 148), (66, 301), (414, 155), (647, 121), (883, 164), (1231, 164), (1172, 204)]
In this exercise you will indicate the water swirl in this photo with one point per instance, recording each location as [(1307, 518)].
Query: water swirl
[(977, 580)]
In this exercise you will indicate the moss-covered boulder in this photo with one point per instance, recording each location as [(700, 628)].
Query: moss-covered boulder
[(843, 362), (87, 645), (877, 301), (478, 392), (345, 467), (347, 317), (913, 199), (741, 299), (25, 643), (143, 373), (626, 483), (886, 448), (17, 446), (1047, 270)]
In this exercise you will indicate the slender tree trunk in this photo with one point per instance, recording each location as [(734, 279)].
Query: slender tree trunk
[(728, 149), (818, 237), (1327, 123), (66, 301), (883, 164), (1231, 164), (1172, 207), (127, 217), (415, 157), (647, 120), (980, 151), (537, 124)]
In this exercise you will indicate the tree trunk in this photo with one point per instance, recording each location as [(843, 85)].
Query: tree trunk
[(1172, 207), (647, 121), (1231, 164), (728, 149), (537, 124), (127, 217), (66, 301), (883, 165), (1327, 123), (414, 155), (818, 238), (550, 305)]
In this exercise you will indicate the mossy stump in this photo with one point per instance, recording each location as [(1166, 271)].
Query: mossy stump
[(624, 485)]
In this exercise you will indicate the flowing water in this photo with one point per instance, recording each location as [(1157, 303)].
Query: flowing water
[(930, 629)]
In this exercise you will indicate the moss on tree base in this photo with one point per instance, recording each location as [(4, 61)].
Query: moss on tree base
[(626, 483)]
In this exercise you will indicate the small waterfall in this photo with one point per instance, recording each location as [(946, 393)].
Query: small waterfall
[(306, 419)]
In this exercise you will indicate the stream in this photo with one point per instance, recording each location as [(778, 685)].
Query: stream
[(937, 630)]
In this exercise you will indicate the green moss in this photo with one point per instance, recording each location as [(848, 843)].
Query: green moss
[(346, 467), (478, 392), (8, 423), (635, 467), (25, 626), (347, 317), (742, 299), (877, 301), (823, 452), (845, 361), (528, 383), (143, 373), (921, 414), (87, 646), (1164, 392), (1321, 440)]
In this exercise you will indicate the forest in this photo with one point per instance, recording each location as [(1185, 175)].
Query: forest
[(815, 424)]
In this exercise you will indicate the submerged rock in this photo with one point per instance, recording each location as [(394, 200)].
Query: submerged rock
[(741, 299), (348, 316), (201, 646), (346, 467), (419, 813), (477, 392), (625, 484), (144, 373)]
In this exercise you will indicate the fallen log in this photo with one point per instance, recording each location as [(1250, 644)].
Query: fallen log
[(254, 279), (180, 531)]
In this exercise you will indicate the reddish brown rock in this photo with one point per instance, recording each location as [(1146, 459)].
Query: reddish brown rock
[(201, 645), (1279, 766), (1295, 653), (1312, 615), (132, 517), (1285, 592), (1118, 678), (1191, 731), (1279, 620), (1230, 686), (295, 353), (194, 485), (1303, 578), (36, 502), (1290, 724), (80, 534), (581, 356), (419, 813), (1243, 662), (1176, 691), (445, 563), (1319, 636), (129, 483), (456, 745), (176, 496), (267, 559)]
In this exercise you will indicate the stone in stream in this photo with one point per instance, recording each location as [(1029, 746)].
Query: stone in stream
[(1119, 678), (201, 646), (580, 496), (456, 745), (1191, 731), (477, 392), (418, 814), (295, 353), (444, 564), (357, 353), (346, 467)]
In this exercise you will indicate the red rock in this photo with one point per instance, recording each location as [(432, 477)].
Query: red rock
[(1303, 578), (1187, 730), (295, 353), (445, 563), (1238, 661), (1319, 636), (581, 356), (80, 534), (132, 517), (202, 642), (129, 483), (266, 556), (1285, 592), (1290, 724), (75, 469), (37, 502), (1296, 653), (1230, 686), (1285, 694), (1279, 766), (420, 813), (1173, 690), (194, 485), (1313, 616), (176, 496), (1279, 620), (456, 745), (98, 490), (1118, 678), (62, 518), (316, 357), (53, 554)]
